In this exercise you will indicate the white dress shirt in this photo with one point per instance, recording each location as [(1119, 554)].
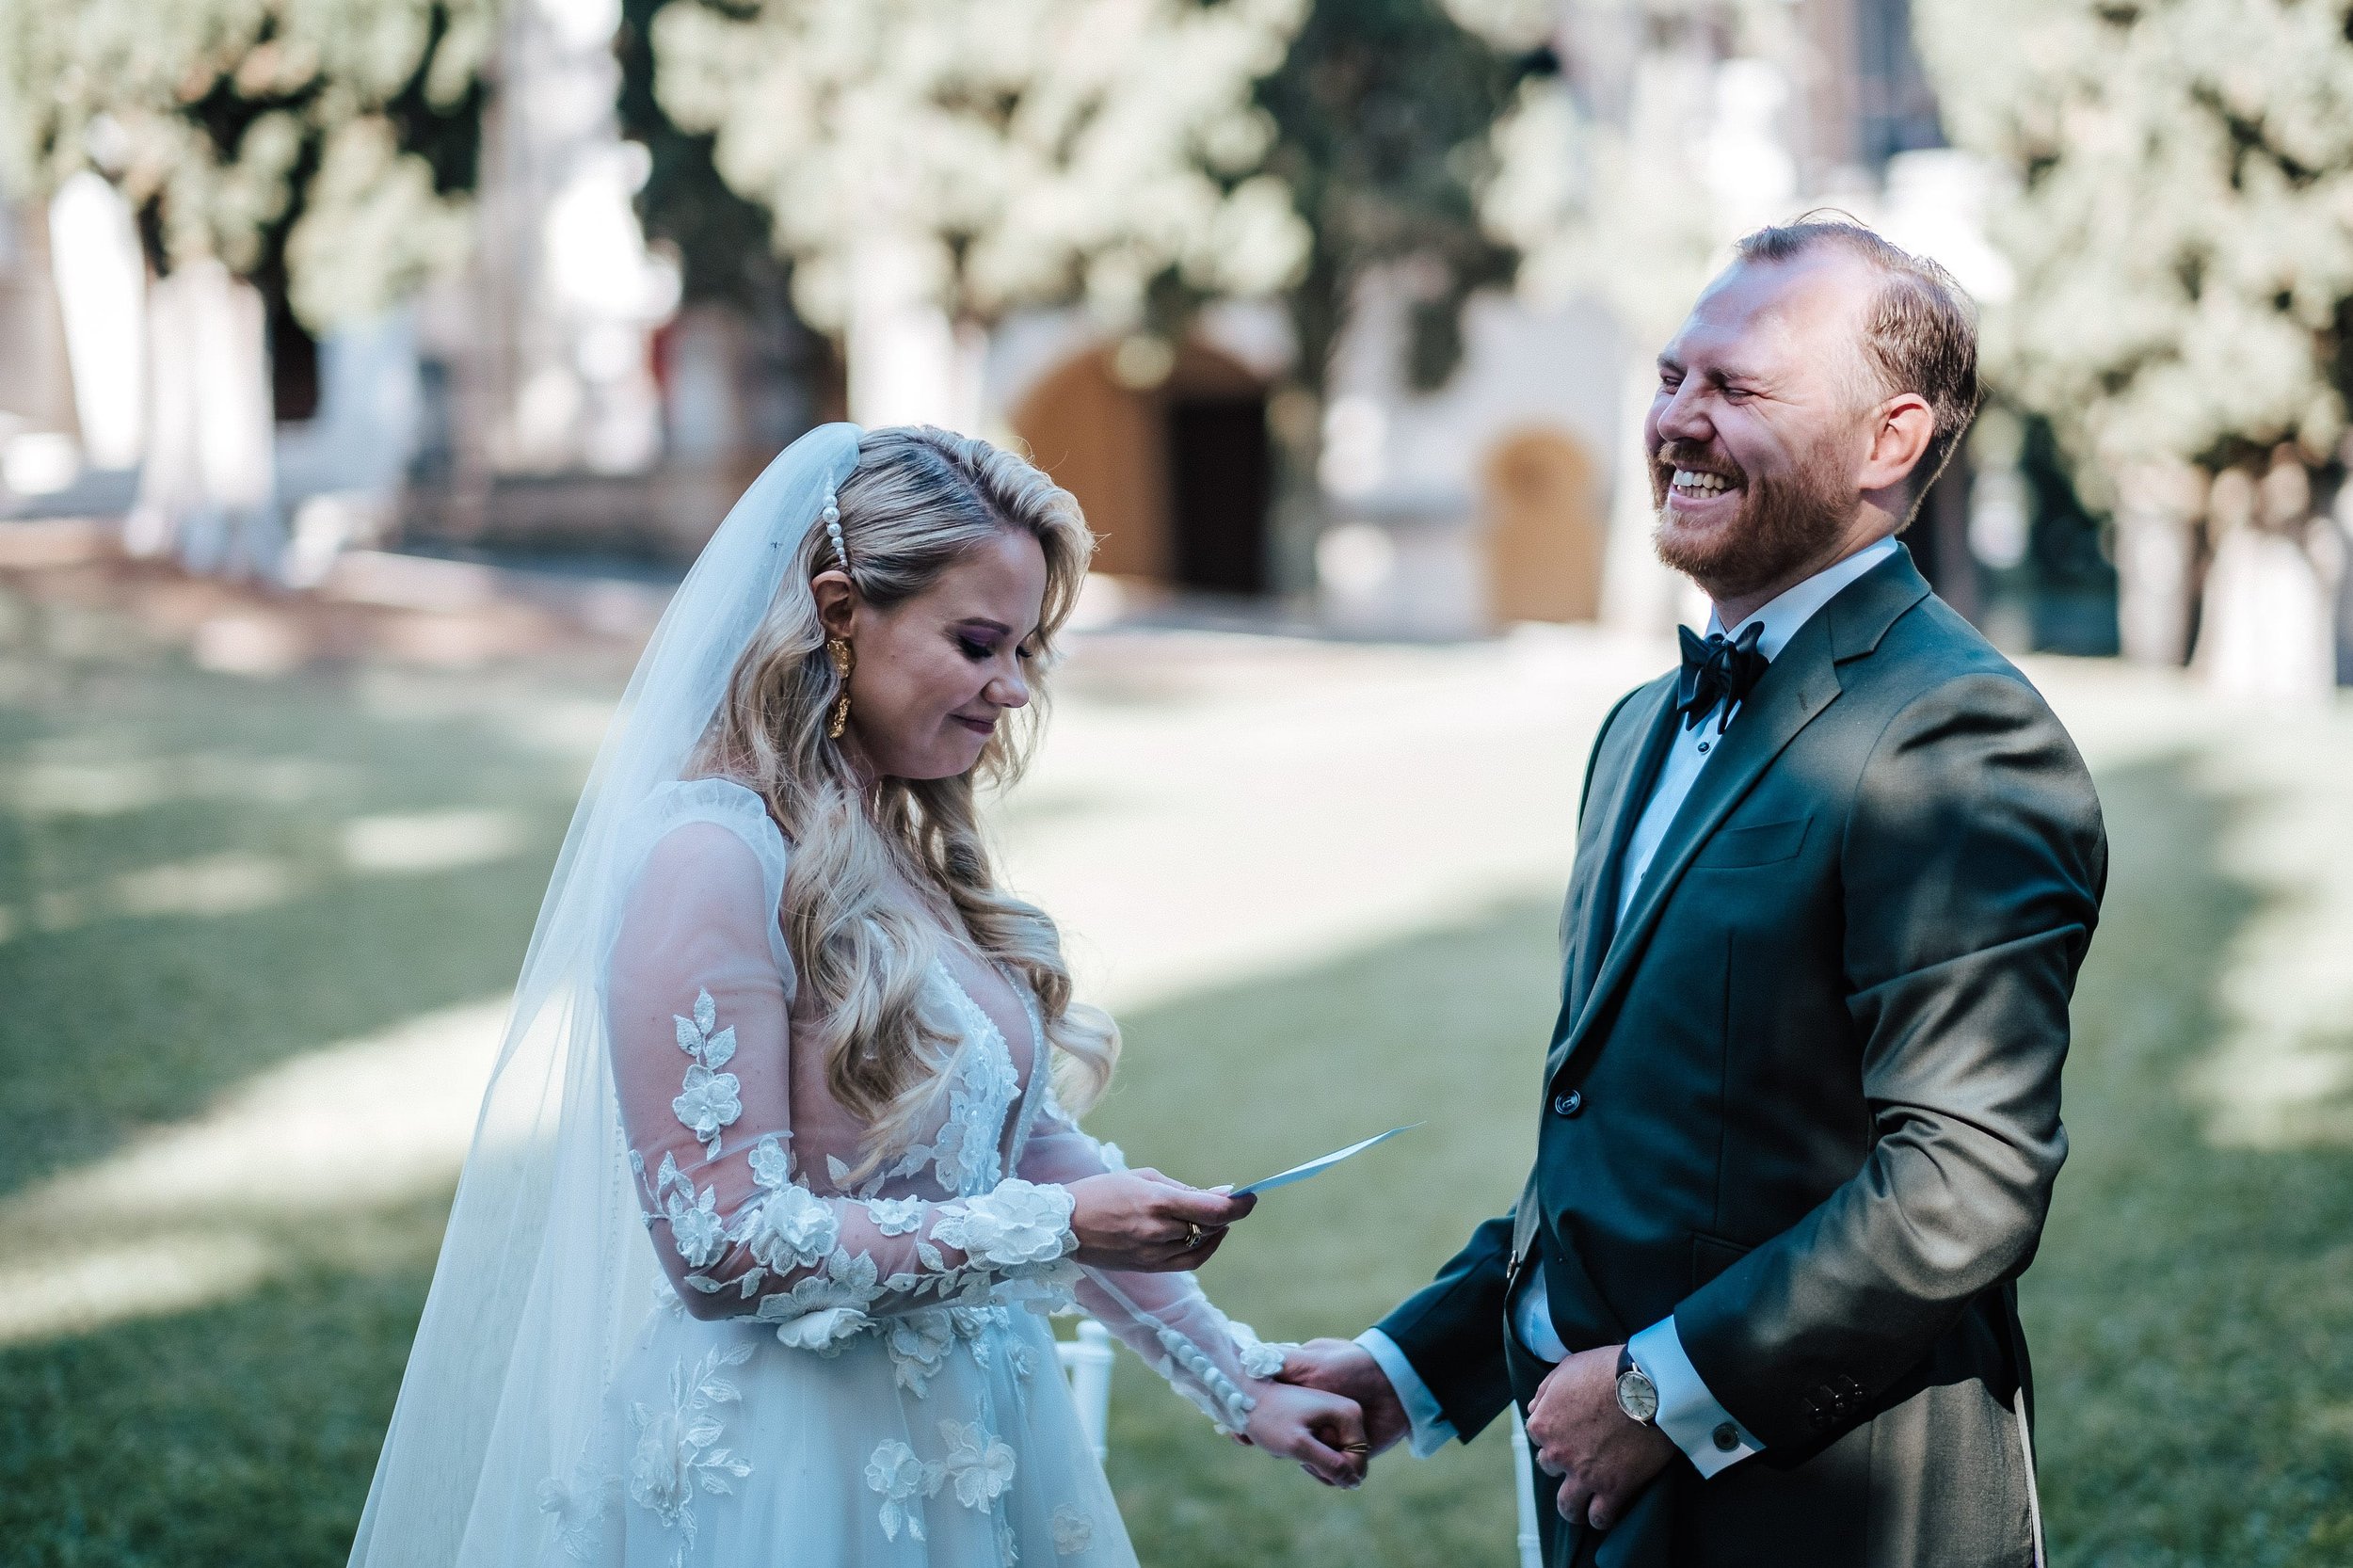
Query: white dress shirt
[(1687, 1413)]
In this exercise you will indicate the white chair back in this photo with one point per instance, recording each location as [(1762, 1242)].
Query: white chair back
[(1086, 1361), (1524, 1474)]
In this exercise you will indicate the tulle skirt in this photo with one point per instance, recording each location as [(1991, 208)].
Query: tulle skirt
[(942, 1439)]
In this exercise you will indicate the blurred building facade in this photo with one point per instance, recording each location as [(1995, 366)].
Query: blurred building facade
[(1516, 491)]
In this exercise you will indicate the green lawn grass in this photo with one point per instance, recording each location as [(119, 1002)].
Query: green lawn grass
[(2192, 1311)]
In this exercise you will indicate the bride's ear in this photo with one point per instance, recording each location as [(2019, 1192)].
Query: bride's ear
[(837, 601)]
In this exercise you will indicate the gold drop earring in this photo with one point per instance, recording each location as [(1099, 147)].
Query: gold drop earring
[(845, 660)]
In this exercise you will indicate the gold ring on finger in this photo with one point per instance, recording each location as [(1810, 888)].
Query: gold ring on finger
[(1194, 1236)]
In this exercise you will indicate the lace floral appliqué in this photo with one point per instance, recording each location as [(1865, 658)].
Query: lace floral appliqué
[(978, 1466), (676, 1445), (1073, 1532), (711, 1100), (1259, 1358), (696, 1228), (579, 1509), (900, 1477)]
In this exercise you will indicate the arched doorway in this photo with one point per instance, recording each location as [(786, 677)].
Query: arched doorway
[(1175, 477), (1546, 527)]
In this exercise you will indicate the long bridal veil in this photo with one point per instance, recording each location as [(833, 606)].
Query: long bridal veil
[(544, 1270)]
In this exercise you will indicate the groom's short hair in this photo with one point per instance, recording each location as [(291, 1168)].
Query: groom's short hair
[(1922, 331)]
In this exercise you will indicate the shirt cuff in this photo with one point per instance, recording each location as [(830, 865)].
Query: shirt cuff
[(1687, 1413), (1432, 1430)]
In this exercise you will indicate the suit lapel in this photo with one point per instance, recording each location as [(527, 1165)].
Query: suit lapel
[(1647, 728), (1801, 683), (1650, 733)]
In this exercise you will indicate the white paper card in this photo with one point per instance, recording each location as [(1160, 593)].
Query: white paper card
[(1316, 1167)]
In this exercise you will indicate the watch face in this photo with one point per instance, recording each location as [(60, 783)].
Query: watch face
[(1637, 1397)]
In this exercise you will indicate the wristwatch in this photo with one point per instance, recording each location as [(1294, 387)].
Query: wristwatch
[(1637, 1395)]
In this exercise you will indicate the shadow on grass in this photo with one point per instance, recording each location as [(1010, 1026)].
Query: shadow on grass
[(243, 1435), (119, 1018), (247, 1433), (2191, 1310), (1445, 1028)]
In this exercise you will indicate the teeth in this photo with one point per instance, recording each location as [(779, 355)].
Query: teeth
[(1700, 484)]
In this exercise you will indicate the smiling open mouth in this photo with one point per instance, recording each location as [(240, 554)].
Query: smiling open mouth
[(1697, 485)]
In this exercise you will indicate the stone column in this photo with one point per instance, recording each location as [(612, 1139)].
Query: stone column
[(568, 294), (908, 363), (2157, 505)]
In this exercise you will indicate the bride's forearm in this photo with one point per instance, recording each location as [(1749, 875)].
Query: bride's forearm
[(821, 1269), (1216, 1363)]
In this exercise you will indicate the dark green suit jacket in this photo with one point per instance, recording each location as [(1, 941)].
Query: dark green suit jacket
[(1806, 1097)]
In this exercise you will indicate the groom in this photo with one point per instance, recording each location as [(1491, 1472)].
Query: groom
[(1800, 1111)]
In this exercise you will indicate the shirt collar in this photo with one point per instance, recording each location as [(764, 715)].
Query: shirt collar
[(1784, 617)]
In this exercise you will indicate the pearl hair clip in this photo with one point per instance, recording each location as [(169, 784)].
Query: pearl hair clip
[(832, 516)]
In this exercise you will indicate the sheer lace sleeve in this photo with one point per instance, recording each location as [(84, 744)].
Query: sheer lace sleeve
[(697, 1001), (1207, 1356)]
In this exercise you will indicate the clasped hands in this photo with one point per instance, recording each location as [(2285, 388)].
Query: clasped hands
[(1603, 1457), (1144, 1222)]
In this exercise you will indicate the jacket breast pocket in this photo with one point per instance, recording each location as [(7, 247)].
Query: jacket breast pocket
[(1760, 845)]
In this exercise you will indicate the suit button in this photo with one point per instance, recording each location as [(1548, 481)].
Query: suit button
[(1726, 1437), (1568, 1104)]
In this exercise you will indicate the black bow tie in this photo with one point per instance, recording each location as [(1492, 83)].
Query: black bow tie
[(1718, 671)]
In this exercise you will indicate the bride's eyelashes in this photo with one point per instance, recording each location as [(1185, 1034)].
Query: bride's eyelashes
[(980, 651)]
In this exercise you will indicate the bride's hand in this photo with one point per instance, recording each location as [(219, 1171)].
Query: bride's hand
[(1146, 1221), (1317, 1429)]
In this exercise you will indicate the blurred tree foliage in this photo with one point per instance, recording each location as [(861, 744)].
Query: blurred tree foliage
[(1030, 150), (721, 237), (322, 148), (1140, 157), (1383, 111), (2180, 218), (1611, 179)]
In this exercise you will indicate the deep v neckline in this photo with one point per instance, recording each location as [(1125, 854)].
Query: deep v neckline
[(1023, 1105)]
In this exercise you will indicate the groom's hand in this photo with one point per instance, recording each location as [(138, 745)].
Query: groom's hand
[(1603, 1457), (1344, 1367)]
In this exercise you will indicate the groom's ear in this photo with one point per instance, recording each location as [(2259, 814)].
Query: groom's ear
[(837, 601)]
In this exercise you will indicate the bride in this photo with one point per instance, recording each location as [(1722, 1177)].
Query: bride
[(780, 1165)]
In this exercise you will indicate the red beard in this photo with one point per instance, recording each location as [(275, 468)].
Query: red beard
[(1784, 522)]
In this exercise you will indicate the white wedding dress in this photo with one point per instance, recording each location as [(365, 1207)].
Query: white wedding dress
[(842, 1372)]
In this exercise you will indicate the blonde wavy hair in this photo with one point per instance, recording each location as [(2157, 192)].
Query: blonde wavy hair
[(919, 500)]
